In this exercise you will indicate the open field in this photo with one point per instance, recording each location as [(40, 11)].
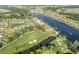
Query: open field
[(24, 42)]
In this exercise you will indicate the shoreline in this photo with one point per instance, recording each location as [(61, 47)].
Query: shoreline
[(58, 18)]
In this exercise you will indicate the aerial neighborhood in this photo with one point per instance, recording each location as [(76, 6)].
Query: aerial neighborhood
[(39, 29)]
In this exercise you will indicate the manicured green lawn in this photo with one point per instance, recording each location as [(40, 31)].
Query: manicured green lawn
[(24, 42)]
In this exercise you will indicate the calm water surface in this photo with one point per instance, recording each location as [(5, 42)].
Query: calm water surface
[(71, 33)]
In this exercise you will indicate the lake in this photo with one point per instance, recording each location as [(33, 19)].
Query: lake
[(71, 33)]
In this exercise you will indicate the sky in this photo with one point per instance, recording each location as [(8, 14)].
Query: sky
[(39, 2)]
